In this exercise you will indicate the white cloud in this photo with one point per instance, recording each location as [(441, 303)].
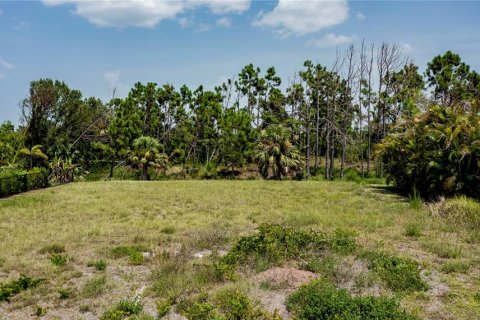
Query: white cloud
[(185, 21), (5, 64), (203, 27), (111, 77), (144, 13), (304, 16), (330, 40), (360, 16), (406, 47), (224, 22)]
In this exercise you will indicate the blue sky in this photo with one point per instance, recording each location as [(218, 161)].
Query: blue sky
[(96, 45)]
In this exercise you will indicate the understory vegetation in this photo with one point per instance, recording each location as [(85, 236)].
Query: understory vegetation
[(325, 248)]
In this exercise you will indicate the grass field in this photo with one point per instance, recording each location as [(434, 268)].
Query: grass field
[(94, 244)]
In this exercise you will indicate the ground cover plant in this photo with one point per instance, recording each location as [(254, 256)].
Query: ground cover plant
[(352, 238)]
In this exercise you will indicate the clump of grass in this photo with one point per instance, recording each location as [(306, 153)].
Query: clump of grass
[(134, 253), (413, 229), (65, 293), (445, 249), (40, 311), (9, 289), (456, 266), (58, 260), (476, 297), (123, 309), (163, 307), (100, 265), (94, 287), (274, 244), (168, 230), (321, 300), (461, 211), (415, 200), (53, 249), (399, 274)]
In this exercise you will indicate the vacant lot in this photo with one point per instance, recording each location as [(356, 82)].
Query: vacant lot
[(94, 244)]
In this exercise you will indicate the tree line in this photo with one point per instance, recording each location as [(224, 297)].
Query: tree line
[(324, 118)]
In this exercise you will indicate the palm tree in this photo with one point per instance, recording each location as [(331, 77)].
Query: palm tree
[(34, 153), (275, 151), (146, 155)]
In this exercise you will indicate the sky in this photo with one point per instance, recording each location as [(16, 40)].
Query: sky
[(95, 46)]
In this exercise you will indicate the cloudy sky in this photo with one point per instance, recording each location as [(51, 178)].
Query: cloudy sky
[(97, 45)]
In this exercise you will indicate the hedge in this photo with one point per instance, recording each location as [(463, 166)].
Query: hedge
[(16, 181)]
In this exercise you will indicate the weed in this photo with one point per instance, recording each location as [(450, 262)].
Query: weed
[(134, 253), (58, 260), (94, 287), (400, 274), (9, 289), (456, 266), (39, 311), (445, 250), (168, 230), (234, 303), (65, 293), (415, 200), (321, 300), (163, 307), (413, 229), (53, 248), (476, 297), (100, 265), (123, 309)]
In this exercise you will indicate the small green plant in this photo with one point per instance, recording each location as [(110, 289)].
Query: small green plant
[(415, 200), (163, 307), (123, 309), (321, 300), (399, 274), (58, 260), (234, 303), (444, 249), (134, 253), (100, 265), (413, 229), (168, 230), (456, 266), (9, 289), (65, 293), (476, 297), (39, 311), (94, 287), (53, 248)]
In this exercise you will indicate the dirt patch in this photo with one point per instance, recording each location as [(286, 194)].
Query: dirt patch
[(290, 278)]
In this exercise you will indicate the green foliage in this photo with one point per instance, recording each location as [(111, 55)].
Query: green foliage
[(9, 289), (399, 274), (53, 248), (168, 230), (58, 260), (123, 309), (94, 287), (100, 265), (460, 211), (146, 155), (456, 266), (321, 300), (65, 293), (134, 253), (273, 244), (40, 311), (16, 181), (274, 151), (413, 229), (435, 153), (163, 307)]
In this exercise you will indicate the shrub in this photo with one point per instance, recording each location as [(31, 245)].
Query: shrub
[(436, 152), (100, 265), (53, 248), (16, 181), (321, 300), (273, 244), (9, 289), (58, 259), (459, 211), (94, 287), (123, 309), (456, 266), (413, 229), (134, 253), (400, 274)]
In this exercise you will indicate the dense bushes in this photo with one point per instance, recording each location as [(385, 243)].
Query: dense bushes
[(435, 153), (16, 181), (321, 300)]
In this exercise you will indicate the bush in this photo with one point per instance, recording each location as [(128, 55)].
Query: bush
[(321, 300), (16, 181), (9, 289), (436, 153), (123, 310), (400, 274), (460, 211)]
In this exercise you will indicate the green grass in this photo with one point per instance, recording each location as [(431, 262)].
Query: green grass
[(148, 232)]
